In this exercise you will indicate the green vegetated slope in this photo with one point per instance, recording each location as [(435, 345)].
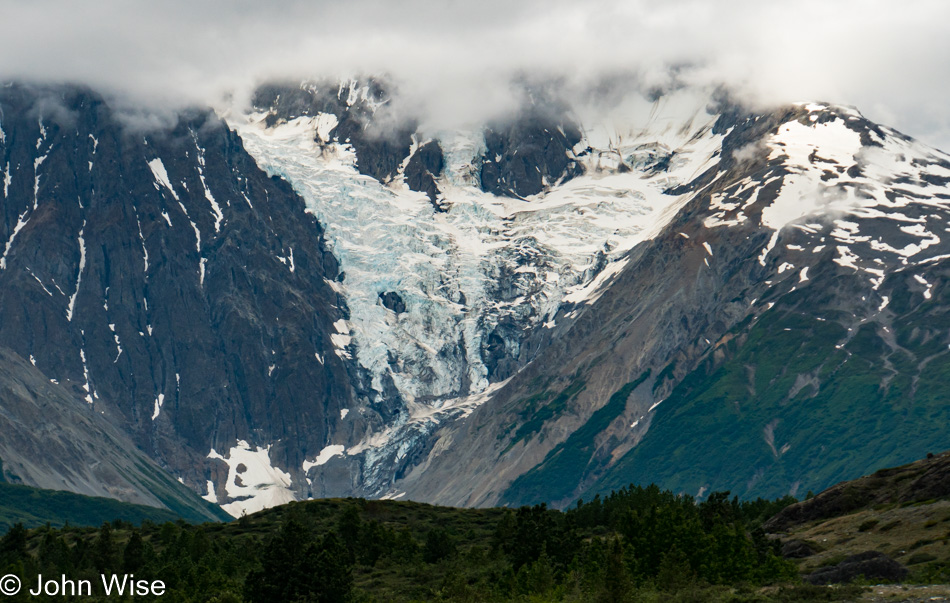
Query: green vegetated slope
[(575, 457), (636, 543), (540, 408), (35, 507), (178, 498), (809, 393)]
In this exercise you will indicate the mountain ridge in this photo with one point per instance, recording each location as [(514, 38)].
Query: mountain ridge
[(333, 311)]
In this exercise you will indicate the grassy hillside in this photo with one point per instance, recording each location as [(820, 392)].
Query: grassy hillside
[(35, 507), (902, 512)]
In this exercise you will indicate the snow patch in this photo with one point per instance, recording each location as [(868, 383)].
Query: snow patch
[(253, 482), (211, 497), (161, 176), (158, 406), (768, 248), (215, 208), (923, 281), (325, 455), (82, 266)]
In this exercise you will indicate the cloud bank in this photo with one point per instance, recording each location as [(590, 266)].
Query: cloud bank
[(456, 60)]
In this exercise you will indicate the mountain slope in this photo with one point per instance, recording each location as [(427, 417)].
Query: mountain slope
[(53, 440), (165, 279), (815, 239), (34, 507)]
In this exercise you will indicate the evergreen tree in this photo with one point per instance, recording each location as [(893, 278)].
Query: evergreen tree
[(133, 558), (439, 545), (617, 581), (294, 568), (13, 545), (54, 554), (105, 553), (539, 576), (332, 571), (349, 528)]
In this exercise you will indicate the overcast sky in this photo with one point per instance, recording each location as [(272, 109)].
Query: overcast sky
[(890, 59)]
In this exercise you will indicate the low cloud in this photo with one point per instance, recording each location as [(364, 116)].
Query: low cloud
[(750, 152), (455, 61)]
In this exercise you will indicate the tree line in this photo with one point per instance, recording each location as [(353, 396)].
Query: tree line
[(615, 548)]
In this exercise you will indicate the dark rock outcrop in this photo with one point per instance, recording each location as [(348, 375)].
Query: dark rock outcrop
[(797, 549), (381, 141), (528, 154), (870, 565), (424, 168), (393, 301)]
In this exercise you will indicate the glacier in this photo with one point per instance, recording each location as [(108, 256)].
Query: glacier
[(485, 260)]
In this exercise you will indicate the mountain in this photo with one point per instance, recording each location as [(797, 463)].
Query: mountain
[(322, 296), (55, 441), (784, 331), (453, 290), (163, 278)]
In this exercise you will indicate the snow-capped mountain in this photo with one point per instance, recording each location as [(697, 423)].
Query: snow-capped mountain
[(164, 280), (783, 330), (451, 293), (309, 298)]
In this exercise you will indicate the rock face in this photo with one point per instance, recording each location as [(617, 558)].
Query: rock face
[(169, 282), (529, 155), (870, 565), (424, 169), (51, 439), (380, 141)]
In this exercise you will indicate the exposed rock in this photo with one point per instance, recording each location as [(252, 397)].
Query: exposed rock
[(393, 301), (50, 439), (797, 549), (424, 168), (870, 565), (381, 143), (529, 154), (168, 281), (500, 350)]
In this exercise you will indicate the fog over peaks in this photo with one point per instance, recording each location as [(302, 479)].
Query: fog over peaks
[(456, 60)]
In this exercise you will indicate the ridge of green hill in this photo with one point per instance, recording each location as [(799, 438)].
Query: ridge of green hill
[(34, 507), (924, 480)]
